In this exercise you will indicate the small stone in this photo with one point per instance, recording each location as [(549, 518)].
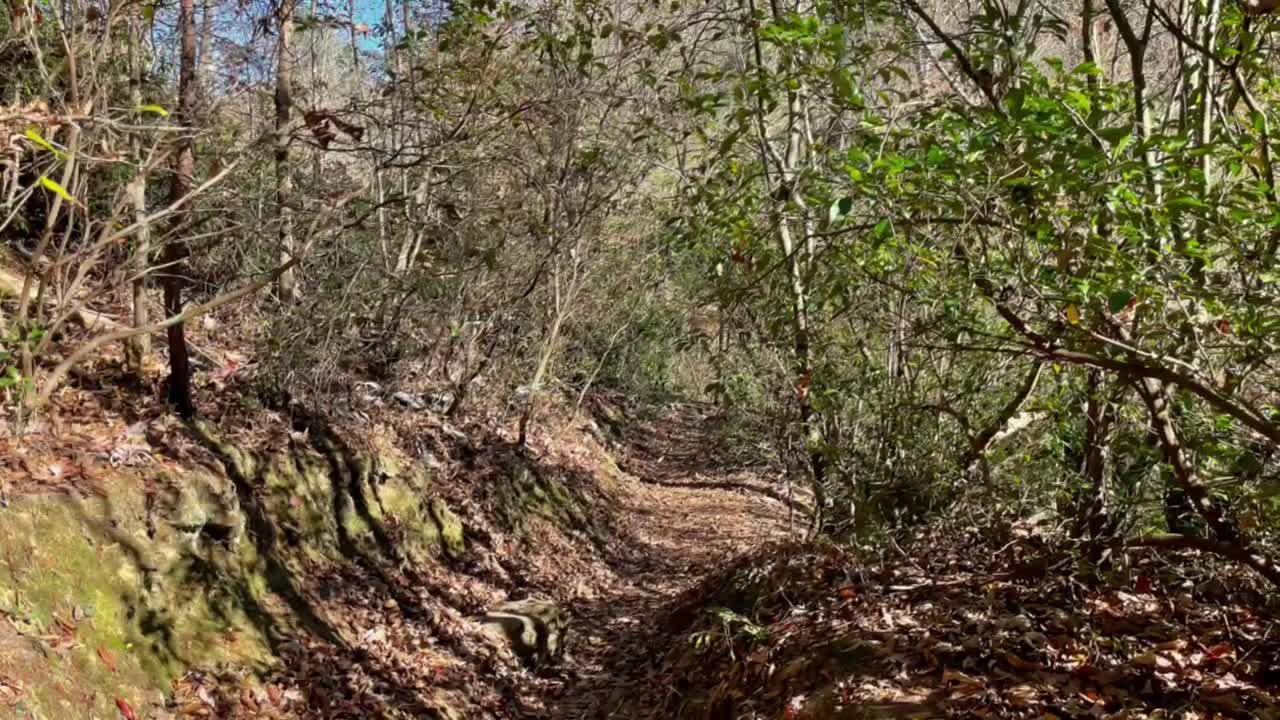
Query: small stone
[(1019, 623), (413, 402), (440, 402)]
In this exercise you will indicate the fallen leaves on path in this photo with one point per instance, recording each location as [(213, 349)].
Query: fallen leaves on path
[(946, 631)]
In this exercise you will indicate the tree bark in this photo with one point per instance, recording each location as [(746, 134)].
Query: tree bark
[(1136, 44), (781, 184), (139, 346), (1226, 533), (975, 457), (287, 285), (205, 73), (1095, 519), (175, 249)]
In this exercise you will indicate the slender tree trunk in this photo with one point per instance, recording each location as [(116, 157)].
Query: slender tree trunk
[(802, 350), (175, 250), (355, 46), (1227, 538), (205, 74), (1208, 89), (975, 462), (781, 178), (1136, 42), (564, 292), (1095, 512), (287, 285), (1207, 93), (532, 403), (138, 347), (317, 98), (390, 135)]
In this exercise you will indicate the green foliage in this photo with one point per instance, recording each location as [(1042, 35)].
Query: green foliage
[(11, 376), (941, 240), (853, 226), (734, 628)]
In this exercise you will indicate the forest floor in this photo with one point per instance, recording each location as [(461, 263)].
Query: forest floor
[(664, 506), (686, 510), (692, 594)]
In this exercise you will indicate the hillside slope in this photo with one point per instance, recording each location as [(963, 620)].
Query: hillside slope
[(299, 568)]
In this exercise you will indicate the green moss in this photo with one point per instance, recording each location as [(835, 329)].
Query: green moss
[(105, 606), (192, 577), (451, 529), (527, 495)]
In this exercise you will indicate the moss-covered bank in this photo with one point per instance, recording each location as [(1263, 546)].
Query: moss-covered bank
[(116, 593)]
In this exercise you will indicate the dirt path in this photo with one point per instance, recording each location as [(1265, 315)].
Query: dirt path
[(686, 510)]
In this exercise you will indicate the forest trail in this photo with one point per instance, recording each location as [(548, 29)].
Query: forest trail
[(688, 509)]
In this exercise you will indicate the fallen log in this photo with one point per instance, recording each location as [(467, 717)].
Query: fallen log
[(11, 285)]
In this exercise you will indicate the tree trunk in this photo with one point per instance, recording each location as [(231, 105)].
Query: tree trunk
[(205, 73), (975, 459), (175, 250), (287, 285), (1136, 44), (1159, 402), (1095, 518), (1207, 92), (781, 183), (549, 344), (138, 347), (317, 98), (1226, 533)]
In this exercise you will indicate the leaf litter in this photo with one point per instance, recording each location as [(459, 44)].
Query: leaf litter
[(668, 624)]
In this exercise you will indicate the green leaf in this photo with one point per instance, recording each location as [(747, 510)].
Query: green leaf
[(840, 209), (1114, 135), (11, 378), (842, 84), (1119, 300), (1186, 202), (1079, 101), (883, 229), (153, 110), (1017, 101), (729, 141), (34, 137), (57, 189), (1088, 69)]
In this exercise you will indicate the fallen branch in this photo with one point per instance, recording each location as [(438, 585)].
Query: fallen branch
[(1227, 550), (11, 284)]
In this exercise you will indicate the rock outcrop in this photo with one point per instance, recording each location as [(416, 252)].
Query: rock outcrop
[(533, 629)]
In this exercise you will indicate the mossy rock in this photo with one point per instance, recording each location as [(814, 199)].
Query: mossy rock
[(206, 509), (452, 532), (140, 590), (299, 495), (533, 629), (528, 494), (102, 609)]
